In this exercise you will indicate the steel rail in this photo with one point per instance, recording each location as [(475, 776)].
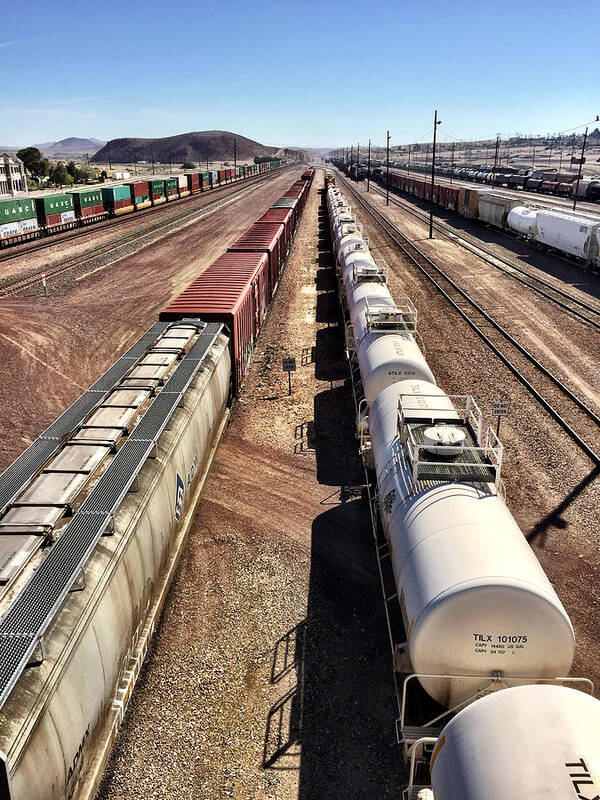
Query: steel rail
[(473, 247), (393, 232)]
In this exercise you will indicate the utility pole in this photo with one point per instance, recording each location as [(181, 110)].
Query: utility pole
[(387, 169), (234, 152), (581, 160), (152, 155), (206, 154), (358, 161), (452, 163), (436, 122), (496, 153), (109, 161), (533, 161), (560, 164), (409, 149), (572, 150), (369, 167)]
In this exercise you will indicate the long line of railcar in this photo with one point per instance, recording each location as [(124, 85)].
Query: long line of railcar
[(26, 218), (575, 234), (93, 516), (478, 614)]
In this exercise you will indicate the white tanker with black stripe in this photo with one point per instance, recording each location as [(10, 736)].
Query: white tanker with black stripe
[(479, 613), (61, 716)]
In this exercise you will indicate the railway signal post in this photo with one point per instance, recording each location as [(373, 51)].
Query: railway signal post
[(44, 284)]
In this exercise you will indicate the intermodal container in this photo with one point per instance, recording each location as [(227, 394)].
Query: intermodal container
[(233, 290), (222, 176), (156, 188), (88, 203), (283, 215), (117, 199), (171, 188), (194, 182), (182, 185), (16, 209), (269, 239), (55, 209), (140, 194)]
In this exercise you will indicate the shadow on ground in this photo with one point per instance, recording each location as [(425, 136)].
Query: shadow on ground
[(336, 723)]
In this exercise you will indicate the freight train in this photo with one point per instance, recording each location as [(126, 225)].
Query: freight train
[(25, 218), (541, 181), (93, 516), (479, 615), (572, 233)]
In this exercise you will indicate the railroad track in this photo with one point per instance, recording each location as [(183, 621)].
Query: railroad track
[(16, 284), (523, 364), (565, 300)]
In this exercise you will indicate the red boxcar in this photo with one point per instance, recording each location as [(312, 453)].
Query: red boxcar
[(283, 215), (288, 202), (222, 175), (233, 290), (269, 239)]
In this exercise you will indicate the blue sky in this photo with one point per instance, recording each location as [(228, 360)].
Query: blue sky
[(309, 73)]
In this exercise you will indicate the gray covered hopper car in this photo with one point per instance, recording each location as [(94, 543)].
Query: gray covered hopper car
[(93, 517)]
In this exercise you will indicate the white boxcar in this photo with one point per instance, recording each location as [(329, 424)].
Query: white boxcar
[(474, 597), (58, 723), (572, 233), (534, 742)]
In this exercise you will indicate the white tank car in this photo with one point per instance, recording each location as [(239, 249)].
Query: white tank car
[(475, 599), (61, 717), (522, 219), (535, 742), (386, 358), (366, 293)]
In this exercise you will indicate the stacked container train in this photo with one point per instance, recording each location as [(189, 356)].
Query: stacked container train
[(25, 218), (93, 516), (478, 613)]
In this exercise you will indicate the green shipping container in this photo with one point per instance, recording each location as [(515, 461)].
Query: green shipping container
[(55, 203), (171, 186), (88, 197), (205, 178), (116, 193), (157, 187), (16, 209)]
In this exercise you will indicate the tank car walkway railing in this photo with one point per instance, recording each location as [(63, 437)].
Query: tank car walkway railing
[(23, 626), (28, 463)]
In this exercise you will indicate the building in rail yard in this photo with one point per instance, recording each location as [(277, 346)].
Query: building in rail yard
[(12, 176)]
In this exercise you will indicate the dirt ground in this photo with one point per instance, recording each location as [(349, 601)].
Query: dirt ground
[(552, 489), (270, 675), (52, 348)]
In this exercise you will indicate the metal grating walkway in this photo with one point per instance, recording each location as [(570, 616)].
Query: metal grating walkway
[(28, 463), (40, 599)]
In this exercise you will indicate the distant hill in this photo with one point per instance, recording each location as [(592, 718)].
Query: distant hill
[(70, 147), (196, 146)]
